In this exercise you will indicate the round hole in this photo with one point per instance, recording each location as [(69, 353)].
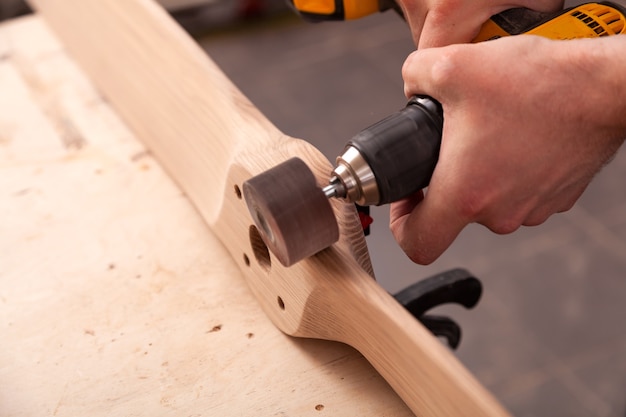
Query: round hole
[(262, 223), (259, 248), (246, 260), (238, 191), (281, 303)]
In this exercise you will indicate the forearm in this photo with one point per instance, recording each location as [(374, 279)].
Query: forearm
[(608, 62), (599, 75), (604, 60)]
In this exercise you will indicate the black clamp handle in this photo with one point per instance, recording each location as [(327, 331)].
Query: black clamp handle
[(454, 286)]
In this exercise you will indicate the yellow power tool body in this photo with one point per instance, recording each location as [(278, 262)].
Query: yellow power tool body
[(589, 20), (583, 21), (320, 10)]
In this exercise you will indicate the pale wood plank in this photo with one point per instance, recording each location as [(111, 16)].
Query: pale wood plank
[(210, 138), (115, 298)]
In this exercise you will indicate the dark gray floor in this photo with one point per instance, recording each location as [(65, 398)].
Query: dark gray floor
[(549, 336)]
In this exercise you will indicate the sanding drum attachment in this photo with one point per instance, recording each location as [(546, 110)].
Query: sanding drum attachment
[(292, 214)]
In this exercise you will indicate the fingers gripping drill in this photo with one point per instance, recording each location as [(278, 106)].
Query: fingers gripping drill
[(395, 157)]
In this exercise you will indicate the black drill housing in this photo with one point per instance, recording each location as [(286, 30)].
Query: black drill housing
[(402, 149)]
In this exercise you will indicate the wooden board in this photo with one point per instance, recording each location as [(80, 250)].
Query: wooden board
[(115, 297), (210, 139)]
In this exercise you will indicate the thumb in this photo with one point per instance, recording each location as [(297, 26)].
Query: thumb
[(426, 229), (430, 71), (458, 26)]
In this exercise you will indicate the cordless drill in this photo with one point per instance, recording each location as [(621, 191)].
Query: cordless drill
[(396, 157)]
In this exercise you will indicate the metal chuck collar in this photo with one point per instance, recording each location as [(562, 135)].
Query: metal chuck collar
[(292, 214)]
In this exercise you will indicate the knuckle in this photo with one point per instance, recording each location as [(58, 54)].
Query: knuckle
[(504, 226), (506, 220), (497, 218), (472, 204), (567, 205), (408, 63), (536, 220), (442, 12), (408, 68), (421, 256), (444, 66), (445, 69), (538, 216), (487, 207)]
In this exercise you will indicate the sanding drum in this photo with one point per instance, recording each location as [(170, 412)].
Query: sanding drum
[(291, 212)]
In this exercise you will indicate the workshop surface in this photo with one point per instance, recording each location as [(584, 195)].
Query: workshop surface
[(115, 297), (548, 338), (110, 300)]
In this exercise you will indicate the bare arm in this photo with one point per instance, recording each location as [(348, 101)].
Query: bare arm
[(528, 123)]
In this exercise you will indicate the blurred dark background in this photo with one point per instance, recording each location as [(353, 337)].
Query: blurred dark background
[(549, 336)]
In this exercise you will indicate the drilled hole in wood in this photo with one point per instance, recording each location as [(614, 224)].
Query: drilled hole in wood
[(238, 191), (281, 303), (259, 248), (262, 223)]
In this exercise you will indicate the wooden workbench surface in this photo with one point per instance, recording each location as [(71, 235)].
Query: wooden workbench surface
[(115, 298)]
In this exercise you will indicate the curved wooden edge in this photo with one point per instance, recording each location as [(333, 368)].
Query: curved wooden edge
[(331, 296), (211, 139)]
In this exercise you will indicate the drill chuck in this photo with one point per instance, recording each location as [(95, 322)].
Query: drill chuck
[(391, 159)]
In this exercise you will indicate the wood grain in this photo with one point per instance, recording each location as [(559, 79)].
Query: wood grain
[(211, 139), (115, 297)]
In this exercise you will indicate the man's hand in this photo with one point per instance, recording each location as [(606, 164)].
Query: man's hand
[(445, 22), (527, 123)]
